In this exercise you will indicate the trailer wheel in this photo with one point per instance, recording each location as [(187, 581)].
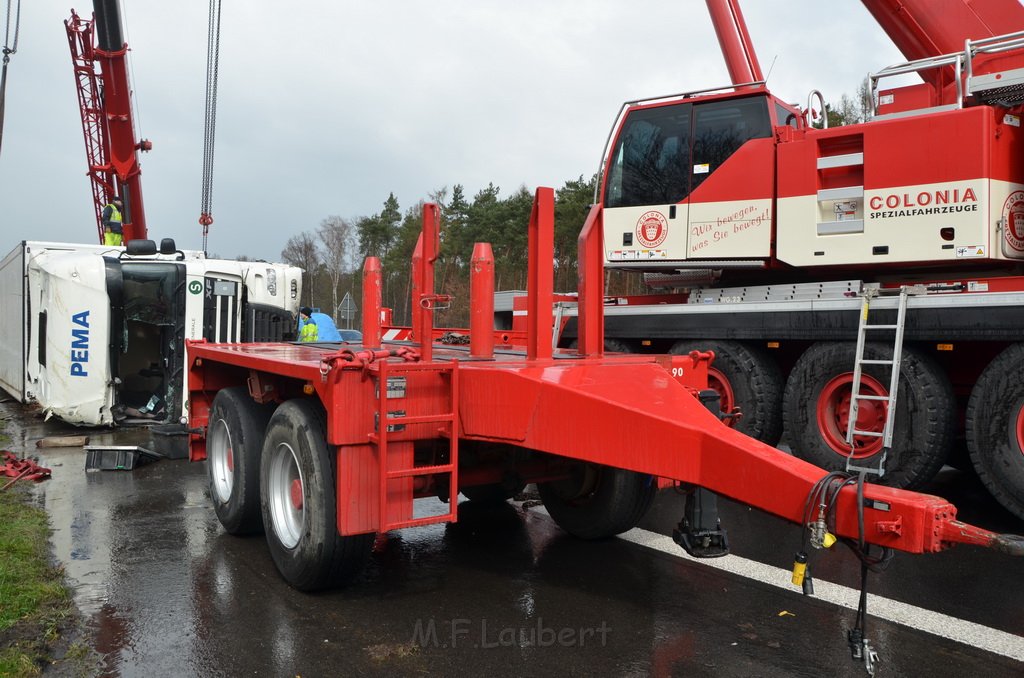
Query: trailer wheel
[(297, 477), (234, 441), (745, 377), (595, 501), (995, 428), (817, 408)]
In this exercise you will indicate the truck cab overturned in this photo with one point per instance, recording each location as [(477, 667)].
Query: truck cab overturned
[(96, 335)]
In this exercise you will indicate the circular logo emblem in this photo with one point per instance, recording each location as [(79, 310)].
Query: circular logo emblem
[(195, 287), (1013, 217), (652, 229)]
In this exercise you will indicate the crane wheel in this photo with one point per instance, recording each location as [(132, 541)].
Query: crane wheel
[(745, 377), (234, 441), (995, 428), (297, 477), (596, 502), (817, 407)]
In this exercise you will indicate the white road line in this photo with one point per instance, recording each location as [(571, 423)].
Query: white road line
[(960, 630)]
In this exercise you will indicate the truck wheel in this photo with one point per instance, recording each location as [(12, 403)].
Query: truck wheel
[(297, 478), (817, 408), (995, 428), (234, 441), (595, 501), (745, 377), (610, 346)]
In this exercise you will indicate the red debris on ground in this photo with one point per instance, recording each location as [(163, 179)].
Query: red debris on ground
[(20, 469)]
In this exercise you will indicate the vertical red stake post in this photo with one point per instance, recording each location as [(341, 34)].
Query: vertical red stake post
[(540, 276), (424, 329), (481, 301), (371, 302), (590, 256)]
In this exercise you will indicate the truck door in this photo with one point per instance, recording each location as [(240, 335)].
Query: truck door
[(732, 180)]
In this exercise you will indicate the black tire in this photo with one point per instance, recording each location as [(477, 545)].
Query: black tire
[(745, 377), (995, 428), (925, 411), (610, 346), (616, 346), (596, 502), (303, 537), (234, 443)]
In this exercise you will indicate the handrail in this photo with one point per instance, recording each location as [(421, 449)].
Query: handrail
[(962, 62)]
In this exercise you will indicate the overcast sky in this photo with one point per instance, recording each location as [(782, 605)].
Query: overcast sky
[(325, 107)]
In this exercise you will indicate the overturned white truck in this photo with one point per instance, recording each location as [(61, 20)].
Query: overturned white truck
[(96, 335)]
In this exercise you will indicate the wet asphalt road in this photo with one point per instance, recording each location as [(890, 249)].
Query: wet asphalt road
[(503, 592)]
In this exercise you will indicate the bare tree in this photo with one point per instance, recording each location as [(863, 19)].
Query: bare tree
[(337, 235), (301, 250)]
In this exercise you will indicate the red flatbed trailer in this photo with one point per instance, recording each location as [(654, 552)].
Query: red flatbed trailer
[(360, 431)]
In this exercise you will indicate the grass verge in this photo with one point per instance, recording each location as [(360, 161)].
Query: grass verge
[(34, 603)]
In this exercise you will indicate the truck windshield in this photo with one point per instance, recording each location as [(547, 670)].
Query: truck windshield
[(149, 292), (664, 152)]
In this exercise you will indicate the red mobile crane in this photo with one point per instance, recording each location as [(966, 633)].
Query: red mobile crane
[(769, 240), (99, 56)]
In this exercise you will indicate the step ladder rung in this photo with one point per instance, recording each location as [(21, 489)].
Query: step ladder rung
[(872, 397), (418, 522), (876, 362), (420, 471), (423, 419), (872, 434), (880, 327)]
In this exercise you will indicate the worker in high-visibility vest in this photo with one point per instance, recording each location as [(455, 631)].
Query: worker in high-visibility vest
[(307, 328), (113, 232)]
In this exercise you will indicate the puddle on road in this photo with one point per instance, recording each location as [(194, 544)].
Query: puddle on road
[(120, 535)]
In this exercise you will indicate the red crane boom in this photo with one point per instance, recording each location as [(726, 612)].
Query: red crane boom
[(98, 54)]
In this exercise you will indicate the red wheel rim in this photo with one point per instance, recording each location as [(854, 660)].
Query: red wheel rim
[(833, 413), (295, 491), (1020, 429), (719, 382)]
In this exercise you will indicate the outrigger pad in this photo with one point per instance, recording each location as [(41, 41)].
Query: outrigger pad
[(702, 543), (700, 532)]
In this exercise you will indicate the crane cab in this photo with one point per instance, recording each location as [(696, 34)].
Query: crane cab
[(690, 181)]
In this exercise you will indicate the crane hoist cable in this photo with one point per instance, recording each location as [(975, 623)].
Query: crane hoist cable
[(210, 125), (10, 47)]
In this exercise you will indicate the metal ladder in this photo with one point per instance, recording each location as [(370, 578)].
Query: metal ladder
[(856, 397), (392, 384)]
